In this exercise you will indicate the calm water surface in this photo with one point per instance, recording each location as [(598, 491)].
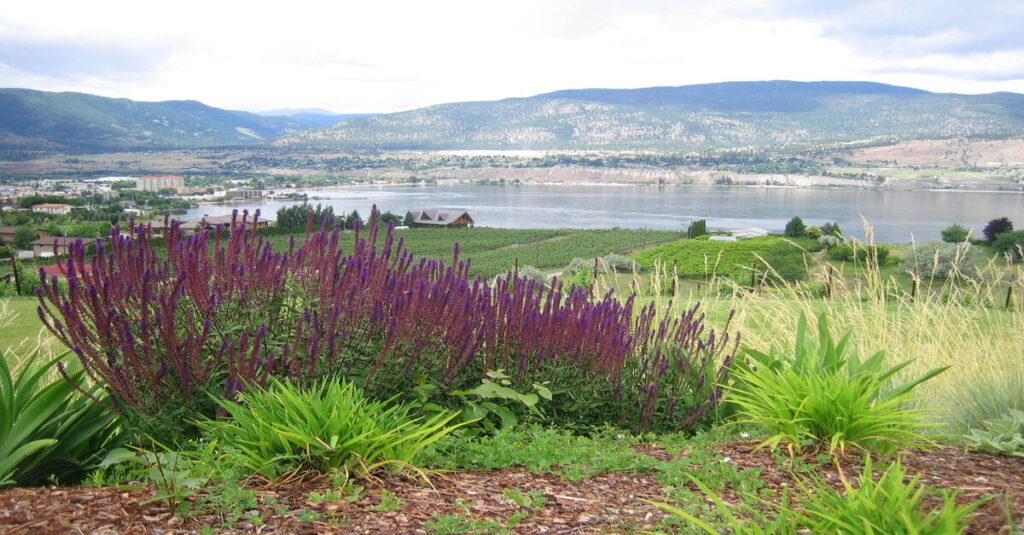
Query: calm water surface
[(897, 216)]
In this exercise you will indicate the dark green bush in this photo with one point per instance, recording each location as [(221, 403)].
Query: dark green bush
[(859, 253)]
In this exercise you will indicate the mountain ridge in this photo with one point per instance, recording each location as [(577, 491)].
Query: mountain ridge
[(84, 122), (690, 118), (722, 115)]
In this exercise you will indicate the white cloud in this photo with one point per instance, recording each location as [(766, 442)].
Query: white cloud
[(392, 55)]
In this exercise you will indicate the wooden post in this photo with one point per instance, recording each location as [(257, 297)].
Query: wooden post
[(17, 278), (1009, 296), (828, 283), (516, 264)]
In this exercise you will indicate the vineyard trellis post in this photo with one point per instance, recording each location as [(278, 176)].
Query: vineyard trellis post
[(17, 277)]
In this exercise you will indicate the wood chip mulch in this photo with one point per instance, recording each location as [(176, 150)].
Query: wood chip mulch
[(607, 503)]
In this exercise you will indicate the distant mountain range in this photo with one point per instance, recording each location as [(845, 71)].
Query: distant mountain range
[(686, 118), (78, 121)]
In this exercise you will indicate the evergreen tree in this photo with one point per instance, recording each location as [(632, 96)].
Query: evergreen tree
[(795, 228)]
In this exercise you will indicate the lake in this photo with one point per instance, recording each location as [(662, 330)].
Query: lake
[(897, 216)]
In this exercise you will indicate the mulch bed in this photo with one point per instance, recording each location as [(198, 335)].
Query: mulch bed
[(608, 503)]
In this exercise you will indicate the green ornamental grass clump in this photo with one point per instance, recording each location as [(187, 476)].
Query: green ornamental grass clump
[(328, 426), (887, 505), (48, 429), (823, 396)]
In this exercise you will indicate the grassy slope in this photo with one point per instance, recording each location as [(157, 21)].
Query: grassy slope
[(493, 250)]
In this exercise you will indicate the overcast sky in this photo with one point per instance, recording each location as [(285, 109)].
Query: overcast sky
[(383, 55)]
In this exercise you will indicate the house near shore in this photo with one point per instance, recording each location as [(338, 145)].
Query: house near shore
[(442, 217), (211, 222), (58, 245)]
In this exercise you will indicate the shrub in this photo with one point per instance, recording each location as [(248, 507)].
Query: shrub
[(828, 241), (814, 232), (877, 254), (795, 228), (956, 233), (166, 336), (939, 260), (832, 229), (48, 429), (996, 227), (822, 397), (328, 426), (1002, 435), (1010, 243), (618, 263), (528, 273)]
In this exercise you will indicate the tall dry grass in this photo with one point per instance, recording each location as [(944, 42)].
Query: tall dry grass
[(962, 321)]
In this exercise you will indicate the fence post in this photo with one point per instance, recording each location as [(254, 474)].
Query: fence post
[(828, 284), (1009, 296), (17, 278), (516, 269), (913, 287)]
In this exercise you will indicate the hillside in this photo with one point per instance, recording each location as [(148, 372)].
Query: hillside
[(687, 118), (81, 122)]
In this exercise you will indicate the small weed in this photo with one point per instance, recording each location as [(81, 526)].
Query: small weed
[(532, 500), (389, 501), (456, 523), (307, 516), (329, 495)]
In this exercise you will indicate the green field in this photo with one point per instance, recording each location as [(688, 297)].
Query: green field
[(493, 250), (699, 258)]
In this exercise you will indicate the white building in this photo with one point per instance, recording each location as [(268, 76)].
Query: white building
[(50, 208), (159, 182)]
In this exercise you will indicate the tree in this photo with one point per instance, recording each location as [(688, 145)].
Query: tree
[(1011, 243), (795, 228), (996, 227), (814, 232), (410, 220), (23, 237), (297, 214), (831, 229), (956, 233), (350, 220), (388, 218)]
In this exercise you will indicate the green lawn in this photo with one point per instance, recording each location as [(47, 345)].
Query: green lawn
[(20, 322)]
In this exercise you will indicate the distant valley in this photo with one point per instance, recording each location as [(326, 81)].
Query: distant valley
[(834, 134)]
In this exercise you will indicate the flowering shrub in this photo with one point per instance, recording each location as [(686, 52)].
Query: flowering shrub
[(223, 310)]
